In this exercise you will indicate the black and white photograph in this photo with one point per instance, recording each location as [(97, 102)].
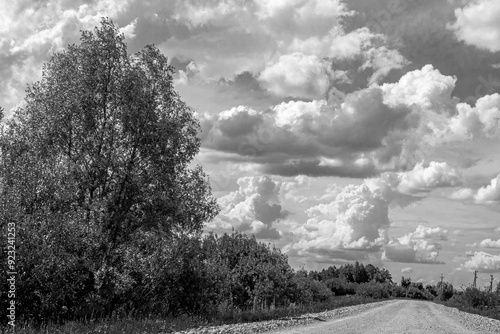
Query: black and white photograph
[(250, 166)]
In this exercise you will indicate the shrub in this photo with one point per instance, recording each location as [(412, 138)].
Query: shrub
[(337, 286), (444, 291), (310, 291), (398, 291), (416, 293), (374, 290), (475, 298)]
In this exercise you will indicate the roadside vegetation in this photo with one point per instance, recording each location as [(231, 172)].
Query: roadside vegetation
[(109, 213)]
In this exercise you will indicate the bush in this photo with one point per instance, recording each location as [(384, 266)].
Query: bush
[(444, 291), (475, 298), (311, 291), (398, 292), (415, 293), (337, 286), (374, 290)]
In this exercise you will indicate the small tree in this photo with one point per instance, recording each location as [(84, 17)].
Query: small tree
[(444, 290), (405, 282)]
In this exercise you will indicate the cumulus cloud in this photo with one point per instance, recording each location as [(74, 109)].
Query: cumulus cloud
[(462, 194), (356, 219), (489, 194), (421, 246), (129, 30), (254, 208), (249, 34), (291, 56), (488, 243), (381, 128), (426, 88), (312, 138), (481, 120), (423, 179), (483, 262), (407, 270), (405, 187), (382, 60), (297, 75), (391, 127), (477, 24)]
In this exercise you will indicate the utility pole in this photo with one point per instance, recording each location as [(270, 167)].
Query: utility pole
[(491, 284), (475, 277), (441, 286)]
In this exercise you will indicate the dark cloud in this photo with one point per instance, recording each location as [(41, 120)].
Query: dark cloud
[(406, 255), (311, 138), (315, 169)]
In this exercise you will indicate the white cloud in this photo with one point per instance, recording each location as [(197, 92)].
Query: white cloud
[(296, 75), (199, 14), (254, 208), (356, 219), (407, 270), (419, 180), (489, 194), (315, 138), (421, 246), (250, 34), (423, 179), (404, 188), (477, 24), (462, 194), (292, 113), (483, 262), (129, 29), (391, 127), (481, 120), (488, 243), (426, 88), (423, 232), (382, 60)]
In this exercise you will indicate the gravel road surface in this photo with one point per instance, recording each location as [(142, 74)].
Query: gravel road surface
[(402, 316)]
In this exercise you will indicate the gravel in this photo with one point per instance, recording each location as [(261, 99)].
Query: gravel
[(474, 321), (283, 323), (391, 317)]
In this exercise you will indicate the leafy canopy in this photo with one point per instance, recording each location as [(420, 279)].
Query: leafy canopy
[(95, 173)]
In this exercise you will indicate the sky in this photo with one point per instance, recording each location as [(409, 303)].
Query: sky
[(338, 131)]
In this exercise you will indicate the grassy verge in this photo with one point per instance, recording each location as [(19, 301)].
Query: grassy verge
[(485, 312), (146, 326)]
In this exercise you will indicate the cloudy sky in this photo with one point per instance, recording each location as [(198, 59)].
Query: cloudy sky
[(336, 130)]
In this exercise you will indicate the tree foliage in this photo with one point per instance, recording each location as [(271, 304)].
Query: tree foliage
[(95, 170)]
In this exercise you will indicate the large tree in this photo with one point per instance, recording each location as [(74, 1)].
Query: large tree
[(96, 163)]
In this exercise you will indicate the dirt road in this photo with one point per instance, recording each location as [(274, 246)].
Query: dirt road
[(402, 316)]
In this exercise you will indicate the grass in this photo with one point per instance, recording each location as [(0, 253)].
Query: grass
[(147, 326), (485, 312)]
